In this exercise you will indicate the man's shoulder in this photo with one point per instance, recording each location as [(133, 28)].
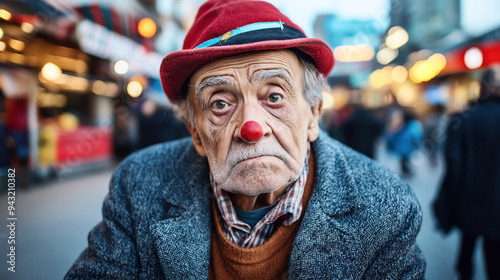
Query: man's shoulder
[(370, 176), (156, 153), (359, 166), (373, 184), (158, 164)]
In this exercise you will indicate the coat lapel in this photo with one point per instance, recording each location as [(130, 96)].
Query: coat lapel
[(183, 246), (182, 240), (324, 245)]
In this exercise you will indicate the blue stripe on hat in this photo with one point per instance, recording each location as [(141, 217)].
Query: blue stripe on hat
[(241, 30)]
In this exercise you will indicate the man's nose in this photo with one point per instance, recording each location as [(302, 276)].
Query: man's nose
[(251, 131), (252, 126)]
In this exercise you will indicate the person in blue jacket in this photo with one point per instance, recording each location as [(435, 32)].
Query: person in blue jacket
[(403, 136)]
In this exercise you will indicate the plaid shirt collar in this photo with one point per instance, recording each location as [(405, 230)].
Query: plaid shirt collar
[(286, 211)]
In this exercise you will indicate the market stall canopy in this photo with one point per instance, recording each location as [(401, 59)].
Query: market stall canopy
[(42, 8)]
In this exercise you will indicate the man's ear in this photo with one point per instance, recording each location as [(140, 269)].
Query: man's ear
[(198, 145), (313, 127)]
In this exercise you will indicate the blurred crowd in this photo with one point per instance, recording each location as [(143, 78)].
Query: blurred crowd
[(467, 141), (398, 127)]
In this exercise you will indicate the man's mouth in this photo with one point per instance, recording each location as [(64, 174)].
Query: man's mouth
[(254, 157), (247, 154)]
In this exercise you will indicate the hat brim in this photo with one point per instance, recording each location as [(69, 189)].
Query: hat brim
[(178, 66)]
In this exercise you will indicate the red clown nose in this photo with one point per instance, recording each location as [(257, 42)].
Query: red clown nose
[(251, 131)]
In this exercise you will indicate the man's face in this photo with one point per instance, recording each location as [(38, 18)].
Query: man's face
[(264, 87)]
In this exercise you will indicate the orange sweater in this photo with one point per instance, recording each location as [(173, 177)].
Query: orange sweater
[(267, 261)]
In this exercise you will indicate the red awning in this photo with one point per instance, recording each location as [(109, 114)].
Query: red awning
[(455, 60), (109, 17)]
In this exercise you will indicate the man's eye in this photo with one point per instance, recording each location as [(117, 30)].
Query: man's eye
[(274, 98), (220, 105)]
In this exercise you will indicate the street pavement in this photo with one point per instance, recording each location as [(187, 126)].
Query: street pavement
[(54, 220)]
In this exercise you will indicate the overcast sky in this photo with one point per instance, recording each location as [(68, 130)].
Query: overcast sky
[(480, 16), (303, 12), (477, 16)]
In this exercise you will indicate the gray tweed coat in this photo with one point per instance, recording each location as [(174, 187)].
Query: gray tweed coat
[(361, 221)]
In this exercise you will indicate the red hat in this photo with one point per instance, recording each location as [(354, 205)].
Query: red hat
[(224, 28)]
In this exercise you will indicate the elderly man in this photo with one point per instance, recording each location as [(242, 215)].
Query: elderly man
[(258, 192)]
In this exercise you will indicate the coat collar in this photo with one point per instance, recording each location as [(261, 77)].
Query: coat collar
[(335, 188), (323, 238), (188, 181), (183, 239)]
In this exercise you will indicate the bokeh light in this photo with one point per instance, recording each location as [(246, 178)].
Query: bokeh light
[(121, 67), (341, 96), (396, 38), (27, 27), (328, 101), (134, 89), (4, 14), (386, 55), (473, 58), (51, 72), (146, 27), (399, 74), (354, 53), (407, 94), (381, 77), (16, 44), (425, 70), (68, 122), (99, 87)]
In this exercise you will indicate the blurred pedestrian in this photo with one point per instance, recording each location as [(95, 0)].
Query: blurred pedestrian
[(125, 133), (403, 136), (5, 151), (158, 124), (17, 127), (361, 130), (435, 132), (469, 197)]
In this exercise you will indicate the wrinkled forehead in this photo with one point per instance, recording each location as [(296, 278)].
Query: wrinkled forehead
[(285, 60)]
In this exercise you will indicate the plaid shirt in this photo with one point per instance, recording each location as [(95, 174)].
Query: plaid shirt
[(287, 210)]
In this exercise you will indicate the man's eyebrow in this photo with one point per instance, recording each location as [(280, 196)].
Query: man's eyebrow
[(266, 74), (213, 81)]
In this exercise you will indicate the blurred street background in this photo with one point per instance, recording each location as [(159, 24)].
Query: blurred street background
[(80, 90)]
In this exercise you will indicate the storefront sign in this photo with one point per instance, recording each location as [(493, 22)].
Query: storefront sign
[(99, 41)]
